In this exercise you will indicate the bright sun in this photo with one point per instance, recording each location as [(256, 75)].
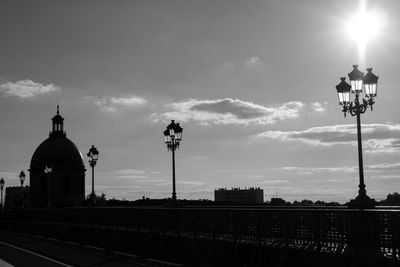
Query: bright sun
[(365, 26)]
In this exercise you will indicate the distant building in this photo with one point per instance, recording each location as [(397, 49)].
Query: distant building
[(57, 170), (17, 197), (238, 195)]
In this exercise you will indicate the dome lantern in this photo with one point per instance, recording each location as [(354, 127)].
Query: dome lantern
[(58, 124)]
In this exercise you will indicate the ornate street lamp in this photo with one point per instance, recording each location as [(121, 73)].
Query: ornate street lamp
[(1, 188), (47, 171), (22, 178), (358, 83), (172, 137), (93, 156)]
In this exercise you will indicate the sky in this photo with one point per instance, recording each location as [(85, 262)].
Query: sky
[(251, 82)]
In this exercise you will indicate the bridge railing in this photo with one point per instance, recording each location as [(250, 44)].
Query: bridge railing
[(331, 230)]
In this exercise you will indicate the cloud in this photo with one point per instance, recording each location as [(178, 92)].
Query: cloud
[(274, 182), (112, 104), (152, 181), (128, 171), (318, 107), (250, 63), (312, 170), (385, 177), (253, 62), (230, 111), (130, 174), (26, 89), (376, 137), (190, 183), (183, 183), (383, 167), (376, 168)]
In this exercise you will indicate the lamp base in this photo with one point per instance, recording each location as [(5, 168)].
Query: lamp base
[(362, 202)]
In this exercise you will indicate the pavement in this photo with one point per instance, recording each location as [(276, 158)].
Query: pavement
[(26, 250)]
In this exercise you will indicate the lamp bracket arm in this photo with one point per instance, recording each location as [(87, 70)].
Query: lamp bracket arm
[(363, 106), (353, 109)]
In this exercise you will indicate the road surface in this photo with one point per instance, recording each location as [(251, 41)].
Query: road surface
[(24, 250)]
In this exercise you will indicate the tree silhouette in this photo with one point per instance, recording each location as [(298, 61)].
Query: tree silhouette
[(391, 200)]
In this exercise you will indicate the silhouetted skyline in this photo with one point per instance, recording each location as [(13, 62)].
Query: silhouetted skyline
[(252, 83)]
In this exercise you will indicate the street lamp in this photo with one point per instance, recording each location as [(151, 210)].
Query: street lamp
[(1, 188), (172, 137), (93, 155), (47, 171), (22, 178), (358, 83)]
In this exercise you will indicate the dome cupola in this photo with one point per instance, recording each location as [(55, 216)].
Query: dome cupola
[(58, 124)]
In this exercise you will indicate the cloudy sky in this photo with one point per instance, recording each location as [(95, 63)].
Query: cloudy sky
[(252, 83)]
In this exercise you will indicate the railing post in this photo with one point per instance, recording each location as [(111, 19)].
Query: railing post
[(396, 236), (213, 224), (234, 226), (316, 221), (363, 244), (163, 222), (286, 222), (258, 226), (178, 221)]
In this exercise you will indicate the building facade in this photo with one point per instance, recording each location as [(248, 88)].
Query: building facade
[(237, 195), (57, 170)]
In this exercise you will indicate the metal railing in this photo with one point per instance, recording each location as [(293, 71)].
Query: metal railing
[(331, 230)]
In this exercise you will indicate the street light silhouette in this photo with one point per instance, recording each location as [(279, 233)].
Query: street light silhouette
[(47, 171), (22, 178), (1, 188), (172, 137), (93, 156), (358, 83)]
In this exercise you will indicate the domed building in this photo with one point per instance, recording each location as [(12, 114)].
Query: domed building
[(57, 170)]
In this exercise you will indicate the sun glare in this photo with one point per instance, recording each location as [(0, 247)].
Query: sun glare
[(365, 26)]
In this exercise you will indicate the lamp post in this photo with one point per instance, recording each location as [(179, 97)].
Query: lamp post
[(93, 155), (48, 170), (172, 137), (22, 178), (358, 83), (1, 188)]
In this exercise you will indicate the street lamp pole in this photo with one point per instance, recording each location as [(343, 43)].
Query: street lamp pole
[(172, 137), (93, 156), (358, 83), (361, 187), (22, 178), (173, 175), (1, 188)]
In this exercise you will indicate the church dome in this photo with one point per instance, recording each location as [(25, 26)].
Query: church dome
[(57, 171), (57, 151)]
